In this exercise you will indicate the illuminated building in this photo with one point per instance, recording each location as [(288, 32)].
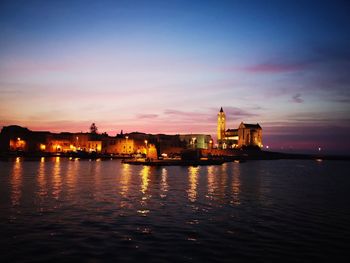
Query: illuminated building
[(196, 141), (247, 135), (221, 127), (18, 139)]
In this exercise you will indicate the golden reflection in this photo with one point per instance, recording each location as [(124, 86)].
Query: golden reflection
[(211, 180), (145, 173), (124, 180), (143, 212), (56, 179), (41, 178), (71, 176), (224, 168), (164, 184), (236, 184), (16, 182), (193, 182), (96, 171), (222, 186)]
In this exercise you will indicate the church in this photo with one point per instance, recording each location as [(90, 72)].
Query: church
[(247, 135)]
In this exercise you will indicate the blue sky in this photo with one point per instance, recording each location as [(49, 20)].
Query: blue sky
[(168, 66)]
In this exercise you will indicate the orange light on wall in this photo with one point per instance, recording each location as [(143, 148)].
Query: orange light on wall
[(57, 147), (72, 147), (42, 147)]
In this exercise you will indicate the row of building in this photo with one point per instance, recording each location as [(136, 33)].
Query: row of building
[(15, 138), (19, 139)]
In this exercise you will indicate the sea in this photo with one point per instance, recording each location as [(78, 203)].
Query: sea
[(70, 210)]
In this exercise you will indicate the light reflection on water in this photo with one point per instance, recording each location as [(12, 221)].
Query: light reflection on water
[(145, 173), (41, 179), (164, 183), (236, 183), (211, 181), (16, 182), (193, 182), (124, 180), (71, 177), (78, 207), (56, 179)]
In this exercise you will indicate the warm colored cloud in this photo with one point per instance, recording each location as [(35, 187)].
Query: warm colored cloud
[(272, 67), (147, 116), (240, 112)]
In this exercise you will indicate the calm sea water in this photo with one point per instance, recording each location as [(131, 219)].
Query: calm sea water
[(98, 211)]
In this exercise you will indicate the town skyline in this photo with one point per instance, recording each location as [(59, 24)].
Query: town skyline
[(167, 68)]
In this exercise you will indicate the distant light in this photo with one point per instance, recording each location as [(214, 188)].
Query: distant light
[(319, 149), (18, 139), (267, 147)]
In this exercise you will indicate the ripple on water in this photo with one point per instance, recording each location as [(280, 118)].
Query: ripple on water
[(104, 211)]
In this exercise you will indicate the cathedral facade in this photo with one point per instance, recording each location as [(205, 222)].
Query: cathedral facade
[(246, 135)]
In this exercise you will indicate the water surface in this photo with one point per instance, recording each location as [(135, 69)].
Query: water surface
[(97, 211)]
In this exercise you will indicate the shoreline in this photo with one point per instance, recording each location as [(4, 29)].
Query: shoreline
[(237, 156)]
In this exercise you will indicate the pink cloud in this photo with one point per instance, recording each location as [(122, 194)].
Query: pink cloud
[(276, 67), (147, 116)]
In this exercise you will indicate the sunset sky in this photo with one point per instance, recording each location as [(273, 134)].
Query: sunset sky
[(168, 67)]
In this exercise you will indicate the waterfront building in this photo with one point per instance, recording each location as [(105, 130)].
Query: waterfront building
[(247, 135), (221, 128), (19, 139), (197, 141)]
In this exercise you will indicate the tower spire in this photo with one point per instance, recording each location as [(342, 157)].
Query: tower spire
[(221, 127)]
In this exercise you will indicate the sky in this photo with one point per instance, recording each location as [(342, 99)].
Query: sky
[(168, 67)]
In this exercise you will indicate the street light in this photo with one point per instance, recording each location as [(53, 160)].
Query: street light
[(146, 142), (77, 143)]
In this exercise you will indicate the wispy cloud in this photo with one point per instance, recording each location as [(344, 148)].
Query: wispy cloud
[(176, 112), (147, 116), (276, 67), (241, 113), (297, 98)]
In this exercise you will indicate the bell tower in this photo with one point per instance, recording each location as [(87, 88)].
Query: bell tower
[(221, 126)]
